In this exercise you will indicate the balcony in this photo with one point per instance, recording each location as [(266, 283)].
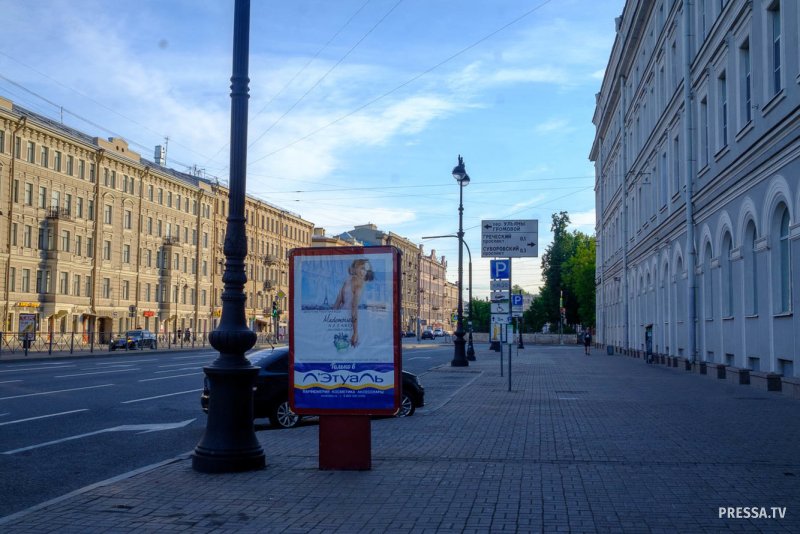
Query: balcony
[(58, 213), (172, 240), (268, 285), (270, 259)]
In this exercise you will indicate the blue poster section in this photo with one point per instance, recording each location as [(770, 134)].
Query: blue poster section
[(344, 385)]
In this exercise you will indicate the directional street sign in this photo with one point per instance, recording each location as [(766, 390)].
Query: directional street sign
[(510, 238), (501, 318)]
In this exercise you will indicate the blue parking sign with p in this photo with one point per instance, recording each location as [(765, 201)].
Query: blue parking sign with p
[(516, 300), (500, 269)]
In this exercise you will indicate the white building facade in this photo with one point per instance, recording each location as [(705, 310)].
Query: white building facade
[(697, 159)]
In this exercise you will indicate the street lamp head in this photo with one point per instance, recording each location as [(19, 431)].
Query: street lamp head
[(460, 172)]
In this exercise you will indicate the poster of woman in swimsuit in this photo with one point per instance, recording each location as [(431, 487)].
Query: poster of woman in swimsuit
[(344, 344)]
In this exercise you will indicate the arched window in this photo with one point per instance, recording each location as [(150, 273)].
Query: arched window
[(750, 281), (781, 261), (708, 290), (727, 277)]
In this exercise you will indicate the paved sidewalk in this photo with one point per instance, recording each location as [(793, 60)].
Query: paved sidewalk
[(580, 444)]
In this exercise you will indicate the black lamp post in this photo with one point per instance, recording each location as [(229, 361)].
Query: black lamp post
[(470, 348), (459, 355), (229, 443)]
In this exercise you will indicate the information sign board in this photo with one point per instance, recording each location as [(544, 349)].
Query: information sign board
[(510, 238)]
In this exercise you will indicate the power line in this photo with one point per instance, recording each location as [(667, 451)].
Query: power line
[(404, 84)]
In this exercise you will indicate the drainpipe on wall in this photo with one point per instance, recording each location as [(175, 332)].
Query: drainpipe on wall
[(691, 253), (626, 222), (96, 233), (139, 247), (20, 125)]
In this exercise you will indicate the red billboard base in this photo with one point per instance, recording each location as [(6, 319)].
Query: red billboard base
[(345, 442)]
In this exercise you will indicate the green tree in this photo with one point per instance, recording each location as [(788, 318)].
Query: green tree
[(481, 315), (579, 275)]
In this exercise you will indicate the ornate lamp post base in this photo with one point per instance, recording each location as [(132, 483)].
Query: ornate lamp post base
[(229, 443)]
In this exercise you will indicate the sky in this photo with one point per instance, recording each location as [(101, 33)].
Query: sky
[(358, 109)]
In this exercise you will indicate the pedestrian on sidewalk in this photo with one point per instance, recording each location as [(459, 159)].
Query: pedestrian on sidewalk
[(587, 341)]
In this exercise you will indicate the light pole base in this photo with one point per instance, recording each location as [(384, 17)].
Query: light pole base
[(459, 354)]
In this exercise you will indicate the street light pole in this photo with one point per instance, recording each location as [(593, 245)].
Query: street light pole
[(470, 348), (229, 443), (459, 355)]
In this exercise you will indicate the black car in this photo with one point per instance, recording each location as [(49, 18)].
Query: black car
[(134, 339), (427, 334), (271, 390)]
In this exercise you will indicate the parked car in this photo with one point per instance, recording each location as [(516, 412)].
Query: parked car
[(427, 334), (438, 332), (134, 339), (271, 390), (410, 333)]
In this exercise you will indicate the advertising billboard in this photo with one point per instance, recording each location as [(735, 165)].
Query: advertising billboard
[(344, 341)]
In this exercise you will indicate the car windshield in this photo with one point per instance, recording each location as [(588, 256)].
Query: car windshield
[(135, 333), (271, 360)]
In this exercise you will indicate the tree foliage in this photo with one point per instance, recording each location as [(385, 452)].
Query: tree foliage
[(568, 267)]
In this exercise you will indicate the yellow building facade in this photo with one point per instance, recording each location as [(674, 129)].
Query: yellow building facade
[(95, 239)]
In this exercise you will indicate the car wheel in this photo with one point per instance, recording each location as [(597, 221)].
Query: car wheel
[(283, 417), (407, 407)]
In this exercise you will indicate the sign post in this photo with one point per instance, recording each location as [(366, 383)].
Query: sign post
[(344, 346)]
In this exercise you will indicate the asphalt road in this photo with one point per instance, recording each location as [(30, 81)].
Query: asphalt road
[(72, 422)]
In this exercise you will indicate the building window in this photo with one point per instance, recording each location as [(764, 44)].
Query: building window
[(27, 236), (81, 169), (704, 148), (150, 193), (150, 225), (126, 253), (55, 200), (68, 203), (92, 172), (782, 263), (26, 281), (91, 210), (148, 258), (750, 269), (76, 285), (70, 165), (708, 288), (746, 82), (107, 288), (107, 214), (128, 220), (31, 152), (126, 287), (107, 250), (14, 230), (78, 245), (63, 283), (42, 197), (727, 277), (90, 247), (28, 194), (57, 161), (12, 279), (44, 160), (65, 240), (2, 142), (774, 17), (722, 83), (79, 207)]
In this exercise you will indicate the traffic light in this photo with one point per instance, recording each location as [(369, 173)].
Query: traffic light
[(274, 308)]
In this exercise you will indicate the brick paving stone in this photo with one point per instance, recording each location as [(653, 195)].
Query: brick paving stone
[(604, 444)]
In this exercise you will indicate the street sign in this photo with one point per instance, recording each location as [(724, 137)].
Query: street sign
[(499, 285), (500, 269), (510, 238), (504, 318), (516, 300), (498, 296), (500, 307)]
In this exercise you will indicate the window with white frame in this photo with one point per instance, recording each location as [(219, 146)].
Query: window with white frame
[(107, 250), (746, 84), (126, 253), (708, 286), (108, 214), (727, 276), (106, 288), (722, 86), (76, 285), (774, 33), (782, 261), (750, 282)]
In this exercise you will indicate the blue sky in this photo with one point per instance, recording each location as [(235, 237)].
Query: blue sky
[(358, 108)]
